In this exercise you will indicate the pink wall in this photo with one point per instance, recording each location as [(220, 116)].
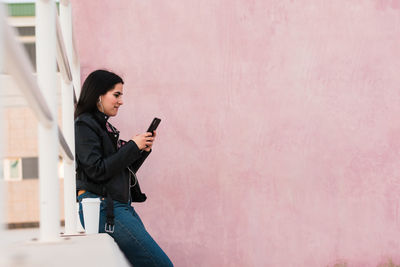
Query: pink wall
[(280, 139)]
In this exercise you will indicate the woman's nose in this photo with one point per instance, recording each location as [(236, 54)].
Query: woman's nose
[(121, 102)]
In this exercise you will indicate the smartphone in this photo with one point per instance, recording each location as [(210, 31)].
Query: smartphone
[(154, 124)]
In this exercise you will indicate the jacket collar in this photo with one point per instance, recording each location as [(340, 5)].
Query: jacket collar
[(101, 117)]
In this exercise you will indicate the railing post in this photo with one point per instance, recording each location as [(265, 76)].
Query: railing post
[(2, 191), (68, 124), (4, 258), (76, 71), (48, 137)]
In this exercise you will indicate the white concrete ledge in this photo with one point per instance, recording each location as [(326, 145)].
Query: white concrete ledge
[(91, 250)]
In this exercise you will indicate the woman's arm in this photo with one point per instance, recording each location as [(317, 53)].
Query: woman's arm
[(138, 163), (89, 152), (144, 154), (134, 166)]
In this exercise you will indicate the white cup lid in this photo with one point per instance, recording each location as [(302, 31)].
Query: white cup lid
[(91, 200)]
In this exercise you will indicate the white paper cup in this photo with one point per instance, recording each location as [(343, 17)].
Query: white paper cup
[(91, 214)]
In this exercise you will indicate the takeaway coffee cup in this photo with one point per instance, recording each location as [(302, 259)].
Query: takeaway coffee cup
[(91, 214)]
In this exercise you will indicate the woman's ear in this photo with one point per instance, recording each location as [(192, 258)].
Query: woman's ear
[(99, 99)]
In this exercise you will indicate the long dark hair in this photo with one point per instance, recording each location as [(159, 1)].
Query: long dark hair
[(96, 84)]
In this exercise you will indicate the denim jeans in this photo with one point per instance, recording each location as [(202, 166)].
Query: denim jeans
[(130, 234)]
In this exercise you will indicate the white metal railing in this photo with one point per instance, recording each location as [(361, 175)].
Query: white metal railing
[(41, 97), (2, 201), (65, 55)]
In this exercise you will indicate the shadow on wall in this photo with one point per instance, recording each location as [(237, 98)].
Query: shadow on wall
[(389, 263), (343, 263)]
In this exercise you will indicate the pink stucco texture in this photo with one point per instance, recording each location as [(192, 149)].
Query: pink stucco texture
[(280, 136)]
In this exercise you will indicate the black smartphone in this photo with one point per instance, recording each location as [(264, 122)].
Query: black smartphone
[(154, 124)]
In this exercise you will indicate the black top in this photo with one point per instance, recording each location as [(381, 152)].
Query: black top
[(101, 167)]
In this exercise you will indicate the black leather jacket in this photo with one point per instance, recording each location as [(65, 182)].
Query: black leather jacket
[(101, 168)]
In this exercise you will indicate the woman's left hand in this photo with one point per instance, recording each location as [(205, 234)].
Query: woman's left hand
[(148, 148)]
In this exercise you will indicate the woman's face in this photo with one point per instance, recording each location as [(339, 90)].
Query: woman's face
[(111, 100)]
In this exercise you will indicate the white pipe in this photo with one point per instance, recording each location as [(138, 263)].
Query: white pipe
[(66, 27), (48, 138), (76, 68), (65, 151), (62, 58), (68, 124), (69, 166), (18, 65)]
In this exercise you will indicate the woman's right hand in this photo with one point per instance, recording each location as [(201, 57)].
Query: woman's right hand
[(143, 140)]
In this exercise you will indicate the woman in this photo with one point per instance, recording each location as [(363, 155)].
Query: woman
[(106, 168)]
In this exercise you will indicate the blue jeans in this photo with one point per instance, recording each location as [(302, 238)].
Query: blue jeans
[(130, 234)]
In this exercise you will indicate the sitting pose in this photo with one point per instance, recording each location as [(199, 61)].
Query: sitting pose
[(107, 166)]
